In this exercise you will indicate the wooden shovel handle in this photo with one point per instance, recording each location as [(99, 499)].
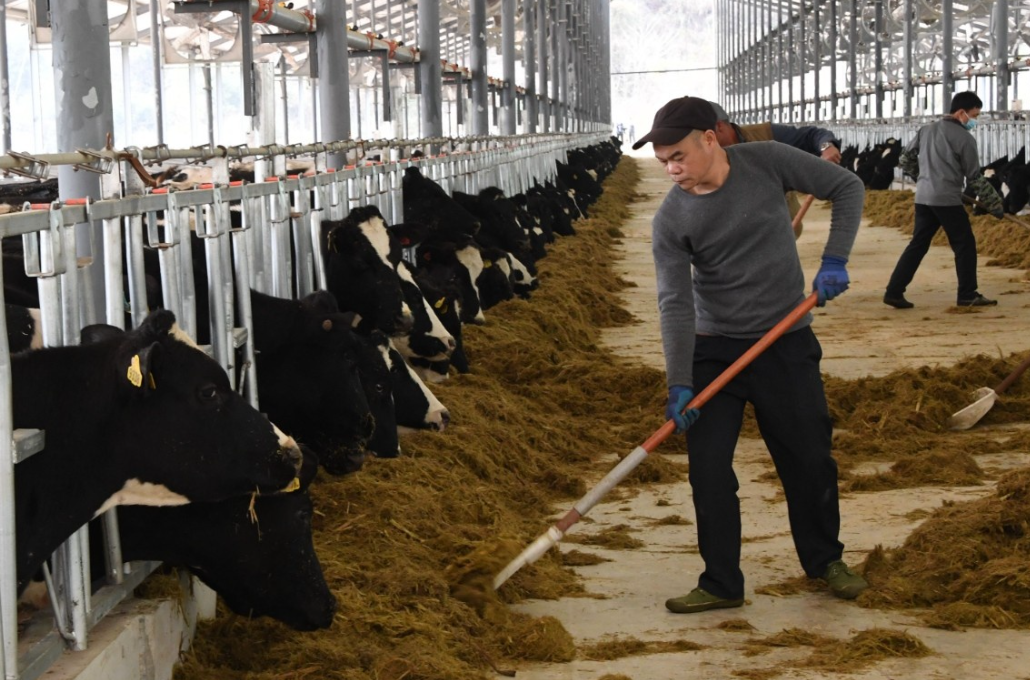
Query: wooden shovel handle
[(802, 210), (1013, 376)]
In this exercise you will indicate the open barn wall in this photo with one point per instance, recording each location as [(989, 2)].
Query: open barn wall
[(809, 60)]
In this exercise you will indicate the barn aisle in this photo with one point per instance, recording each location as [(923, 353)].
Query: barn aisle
[(860, 336)]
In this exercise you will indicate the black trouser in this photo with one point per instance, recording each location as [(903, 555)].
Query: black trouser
[(786, 388), (930, 218)]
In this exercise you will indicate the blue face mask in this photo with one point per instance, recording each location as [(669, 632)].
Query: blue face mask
[(969, 124)]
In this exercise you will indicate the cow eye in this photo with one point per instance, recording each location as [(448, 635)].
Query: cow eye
[(380, 388), (207, 392)]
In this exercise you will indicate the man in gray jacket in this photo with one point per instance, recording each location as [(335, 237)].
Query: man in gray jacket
[(728, 271), (942, 157)]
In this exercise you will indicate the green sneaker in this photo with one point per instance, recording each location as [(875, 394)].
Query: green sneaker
[(698, 600), (843, 582)]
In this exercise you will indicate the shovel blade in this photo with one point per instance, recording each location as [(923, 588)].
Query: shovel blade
[(971, 415)]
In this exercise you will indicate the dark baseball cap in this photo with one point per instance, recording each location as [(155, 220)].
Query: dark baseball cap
[(677, 119), (720, 113)]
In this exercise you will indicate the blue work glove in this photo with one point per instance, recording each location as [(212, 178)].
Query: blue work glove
[(679, 397), (832, 279)]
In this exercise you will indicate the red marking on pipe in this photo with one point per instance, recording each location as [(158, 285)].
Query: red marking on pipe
[(160, 190), (371, 39), (76, 201), (264, 12), (39, 206), (236, 183), (271, 179), (351, 167), (311, 19), (292, 176), (393, 49)]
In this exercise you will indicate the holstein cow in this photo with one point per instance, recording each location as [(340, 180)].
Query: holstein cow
[(24, 329), (373, 357), (359, 272), (257, 554), (132, 418), (308, 377), (416, 406)]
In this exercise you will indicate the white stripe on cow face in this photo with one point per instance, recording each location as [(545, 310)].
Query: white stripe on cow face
[(472, 260), (37, 329), (136, 492), (374, 230), (436, 329), (385, 351), (522, 274), (437, 415)]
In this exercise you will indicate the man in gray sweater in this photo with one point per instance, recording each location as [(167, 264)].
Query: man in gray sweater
[(728, 271), (942, 158)]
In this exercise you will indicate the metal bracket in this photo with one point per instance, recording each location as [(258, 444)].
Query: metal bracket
[(161, 153), (384, 58), (37, 168), (98, 163), (312, 40), (242, 9), (44, 250)]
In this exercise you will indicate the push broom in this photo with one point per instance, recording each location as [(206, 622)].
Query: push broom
[(618, 473)]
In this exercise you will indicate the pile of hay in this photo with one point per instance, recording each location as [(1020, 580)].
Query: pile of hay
[(1007, 243), (902, 417), (409, 546), (969, 562)]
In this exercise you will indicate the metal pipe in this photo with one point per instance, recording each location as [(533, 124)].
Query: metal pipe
[(507, 126), (1001, 56), (852, 57), (948, 82), (209, 103), (907, 59), (555, 68), (878, 57), (529, 63), (155, 49), (82, 80), (833, 60), (817, 58), (334, 77), (429, 73), (5, 89), (477, 63), (544, 43)]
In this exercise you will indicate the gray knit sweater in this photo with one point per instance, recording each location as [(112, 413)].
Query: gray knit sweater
[(746, 271)]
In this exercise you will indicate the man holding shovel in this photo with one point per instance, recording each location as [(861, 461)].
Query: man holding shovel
[(727, 271)]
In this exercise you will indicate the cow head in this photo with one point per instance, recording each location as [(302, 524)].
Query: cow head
[(373, 357), (176, 421), (257, 554), (360, 274), (416, 406)]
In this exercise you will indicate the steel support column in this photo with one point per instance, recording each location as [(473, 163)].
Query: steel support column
[(878, 57), (82, 84), (333, 75), (155, 51), (833, 60), (529, 63), (544, 46), (563, 70), (1000, 15), (907, 60), (556, 67), (508, 104), (817, 59), (5, 90), (477, 64), (852, 57), (947, 80)]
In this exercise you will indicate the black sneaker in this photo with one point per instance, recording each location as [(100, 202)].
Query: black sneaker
[(978, 301), (897, 301)]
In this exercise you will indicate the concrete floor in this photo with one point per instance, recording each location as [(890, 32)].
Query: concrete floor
[(860, 336)]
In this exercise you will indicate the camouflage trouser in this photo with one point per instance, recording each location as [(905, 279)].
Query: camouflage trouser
[(794, 204)]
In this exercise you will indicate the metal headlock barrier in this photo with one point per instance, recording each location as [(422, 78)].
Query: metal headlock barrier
[(994, 138), (272, 248)]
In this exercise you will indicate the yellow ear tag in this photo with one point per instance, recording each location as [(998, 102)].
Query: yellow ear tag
[(292, 486), (150, 377), (439, 303), (487, 263), (134, 374)]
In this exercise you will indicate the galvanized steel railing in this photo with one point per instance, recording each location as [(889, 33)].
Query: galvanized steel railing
[(273, 249)]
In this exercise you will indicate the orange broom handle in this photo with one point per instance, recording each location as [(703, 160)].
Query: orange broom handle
[(802, 210), (735, 368)]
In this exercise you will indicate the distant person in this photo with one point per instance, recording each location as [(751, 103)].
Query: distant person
[(815, 140), (632, 134), (727, 271), (620, 130), (942, 158)]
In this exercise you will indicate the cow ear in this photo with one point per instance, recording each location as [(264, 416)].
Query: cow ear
[(140, 366), (157, 325), (320, 302), (98, 332)]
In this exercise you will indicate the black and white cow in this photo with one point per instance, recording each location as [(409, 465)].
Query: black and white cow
[(359, 272), (373, 357), (259, 558), (24, 328), (416, 406), (132, 418), (308, 378)]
